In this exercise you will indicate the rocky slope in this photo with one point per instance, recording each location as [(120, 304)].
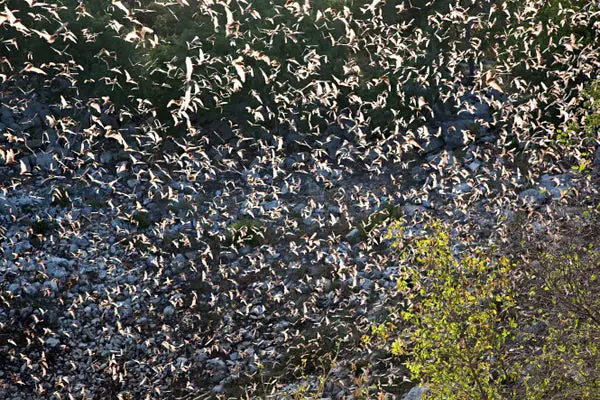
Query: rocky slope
[(140, 267)]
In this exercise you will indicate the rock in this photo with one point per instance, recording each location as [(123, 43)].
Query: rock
[(534, 197), (474, 165), (416, 393), (6, 117), (106, 157), (109, 120), (30, 290), (454, 132), (353, 236), (289, 162), (201, 356), (556, 185), (50, 284), (14, 287), (418, 174), (433, 144), (412, 209), (218, 389), (311, 187), (27, 124), (259, 309), (55, 271), (332, 145), (46, 162), (597, 158), (428, 140), (487, 139), (168, 311), (217, 363), (476, 109), (52, 342), (367, 285), (464, 188), (270, 205)]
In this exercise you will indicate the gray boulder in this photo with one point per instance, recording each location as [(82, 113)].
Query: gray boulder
[(416, 393), (46, 162), (534, 197), (454, 132), (556, 185)]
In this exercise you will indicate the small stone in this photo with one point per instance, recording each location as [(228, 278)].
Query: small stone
[(51, 284), (168, 311), (201, 356), (412, 209), (299, 207), (13, 288), (464, 188), (259, 309), (433, 144), (534, 197), (353, 236), (102, 274), (474, 165), (367, 285), (416, 393), (106, 157), (453, 132), (217, 363), (46, 162), (270, 205), (30, 290), (52, 342), (218, 389), (417, 174)]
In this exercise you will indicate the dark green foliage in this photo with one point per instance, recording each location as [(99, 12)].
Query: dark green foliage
[(142, 220), (60, 197), (245, 232), (43, 226), (93, 48), (387, 213), (564, 359)]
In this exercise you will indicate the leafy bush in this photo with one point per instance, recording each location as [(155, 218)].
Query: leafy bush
[(460, 321), (477, 326), (564, 359)]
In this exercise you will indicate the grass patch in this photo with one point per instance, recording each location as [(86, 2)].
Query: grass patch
[(245, 232), (142, 220), (60, 197), (43, 226), (97, 204), (386, 213)]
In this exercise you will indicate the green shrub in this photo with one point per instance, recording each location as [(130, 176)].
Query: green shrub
[(43, 226), (480, 327), (245, 232), (60, 197), (141, 219), (564, 298), (459, 322), (388, 212)]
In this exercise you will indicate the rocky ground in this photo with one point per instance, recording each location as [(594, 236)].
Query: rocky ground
[(140, 267)]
